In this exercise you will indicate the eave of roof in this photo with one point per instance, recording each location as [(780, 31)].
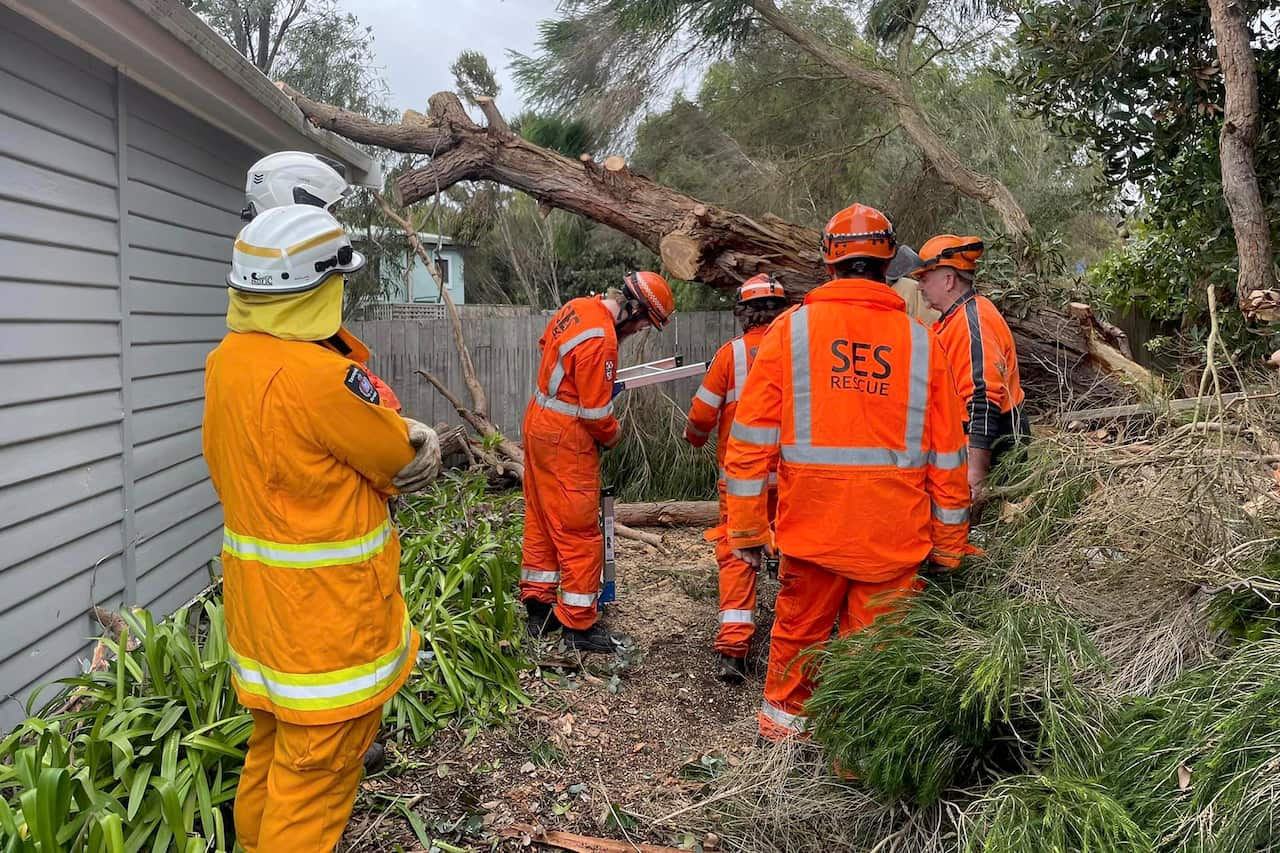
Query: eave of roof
[(165, 47)]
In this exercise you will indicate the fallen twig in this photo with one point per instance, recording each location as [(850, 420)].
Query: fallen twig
[(582, 843)]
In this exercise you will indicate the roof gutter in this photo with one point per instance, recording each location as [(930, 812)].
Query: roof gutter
[(165, 47)]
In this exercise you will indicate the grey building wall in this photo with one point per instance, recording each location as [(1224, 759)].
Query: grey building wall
[(117, 211)]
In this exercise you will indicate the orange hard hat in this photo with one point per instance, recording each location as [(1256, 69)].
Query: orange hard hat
[(858, 232), (948, 250), (761, 287), (652, 291)]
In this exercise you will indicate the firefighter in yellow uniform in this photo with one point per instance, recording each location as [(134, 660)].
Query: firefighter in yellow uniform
[(304, 459)]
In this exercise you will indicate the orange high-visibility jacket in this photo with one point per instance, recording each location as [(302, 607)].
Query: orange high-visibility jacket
[(716, 400), (980, 346), (575, 377), (346, 344), (302, 456), (857, 401)]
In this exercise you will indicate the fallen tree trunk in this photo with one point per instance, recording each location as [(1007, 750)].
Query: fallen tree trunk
[(696, 240), (669, 514)]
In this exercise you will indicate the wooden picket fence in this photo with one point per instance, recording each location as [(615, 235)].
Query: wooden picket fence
[(503, 341)]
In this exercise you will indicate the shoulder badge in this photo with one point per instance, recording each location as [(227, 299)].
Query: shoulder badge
[(358, 383)]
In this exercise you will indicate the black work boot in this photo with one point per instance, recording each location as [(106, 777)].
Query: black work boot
[(593, 639), (732, 670), (542, 619), (375, 758)]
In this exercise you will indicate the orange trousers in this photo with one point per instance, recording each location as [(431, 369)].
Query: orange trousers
[(299, 783), (737, 588), (563, 545), (810, 601)]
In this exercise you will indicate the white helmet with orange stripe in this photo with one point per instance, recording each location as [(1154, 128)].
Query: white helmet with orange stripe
[(291, 249)]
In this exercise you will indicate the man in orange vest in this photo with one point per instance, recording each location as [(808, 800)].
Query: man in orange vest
[(980, 346), (760, 300), (304, 458), (853, 401), (568, 421)]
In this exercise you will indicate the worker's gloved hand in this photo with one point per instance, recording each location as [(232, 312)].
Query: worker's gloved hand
[(425, 467), (753, 557)]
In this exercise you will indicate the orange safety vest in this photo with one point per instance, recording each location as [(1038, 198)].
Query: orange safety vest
[(857, 401), (716, 399), (980, 346), (575, 376), (302, 456)]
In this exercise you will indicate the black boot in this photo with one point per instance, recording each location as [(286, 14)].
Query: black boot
[(593, 639), (375, 758), (732, 670), (542, 619)]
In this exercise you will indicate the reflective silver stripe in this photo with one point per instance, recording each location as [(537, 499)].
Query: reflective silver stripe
[(951, 516), (737, 617), (578, 599), (949, 461), (762, 436), (698, 432), (539, 576), (978, 367), (557, 375), (918, 388), (739, 365), (571, 410), (802, 404), (709, 397), (794, 722), (744, 488), (853, 456), (773, 478)]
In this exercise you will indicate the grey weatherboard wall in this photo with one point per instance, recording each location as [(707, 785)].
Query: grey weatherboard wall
[(117, 210)]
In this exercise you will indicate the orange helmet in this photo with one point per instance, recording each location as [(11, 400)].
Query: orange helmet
[(653, 293), (948, 250), (761, 287), (858, 232)]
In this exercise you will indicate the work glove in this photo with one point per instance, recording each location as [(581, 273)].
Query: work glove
[(425, 467)]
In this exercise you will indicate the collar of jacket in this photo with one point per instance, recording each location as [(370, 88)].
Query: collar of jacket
[(862, 290), (347, 345), (964, 297)]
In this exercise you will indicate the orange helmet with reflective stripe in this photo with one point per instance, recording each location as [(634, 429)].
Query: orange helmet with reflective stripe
[(948, 250), (858, 231), (761, 287), (653, 293)]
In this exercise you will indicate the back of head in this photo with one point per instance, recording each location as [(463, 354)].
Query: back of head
[(290, 249), (293, 177), (650, 293), (760, 300), (858, 242)]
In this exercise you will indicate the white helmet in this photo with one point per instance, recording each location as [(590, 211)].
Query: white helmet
[(293, 177), (289, 250)]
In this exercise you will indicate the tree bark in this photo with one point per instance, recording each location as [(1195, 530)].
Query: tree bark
[(669, 514), (1241, 125), (698, 241), (987, 189)]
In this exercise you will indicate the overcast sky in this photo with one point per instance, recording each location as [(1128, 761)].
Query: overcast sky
[(417, 40)]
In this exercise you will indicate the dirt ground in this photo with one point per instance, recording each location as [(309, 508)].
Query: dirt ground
[(609, 743)]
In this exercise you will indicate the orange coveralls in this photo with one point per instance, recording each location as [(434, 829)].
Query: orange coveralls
[(302, 456), (713, 408), (568, 419), (980, 347), (857, 401)]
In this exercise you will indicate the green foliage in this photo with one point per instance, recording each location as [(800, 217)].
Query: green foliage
[(1249, 608), (1055, 814), (146, 754), (966, 685), (568, 136), (473, 76), (653, 461), (460, 566)]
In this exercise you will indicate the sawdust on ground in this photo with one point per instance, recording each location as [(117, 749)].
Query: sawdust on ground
[(605, 738)]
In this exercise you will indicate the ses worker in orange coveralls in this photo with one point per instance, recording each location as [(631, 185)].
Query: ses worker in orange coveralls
[(854, 402), (300, 177), (981, 349), (304, 458), (567, 422), (760, 300)]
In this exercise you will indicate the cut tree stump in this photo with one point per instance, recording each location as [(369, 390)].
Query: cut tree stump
[(697, 241)]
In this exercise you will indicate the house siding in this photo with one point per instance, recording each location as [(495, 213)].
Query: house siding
[(117, 211)]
